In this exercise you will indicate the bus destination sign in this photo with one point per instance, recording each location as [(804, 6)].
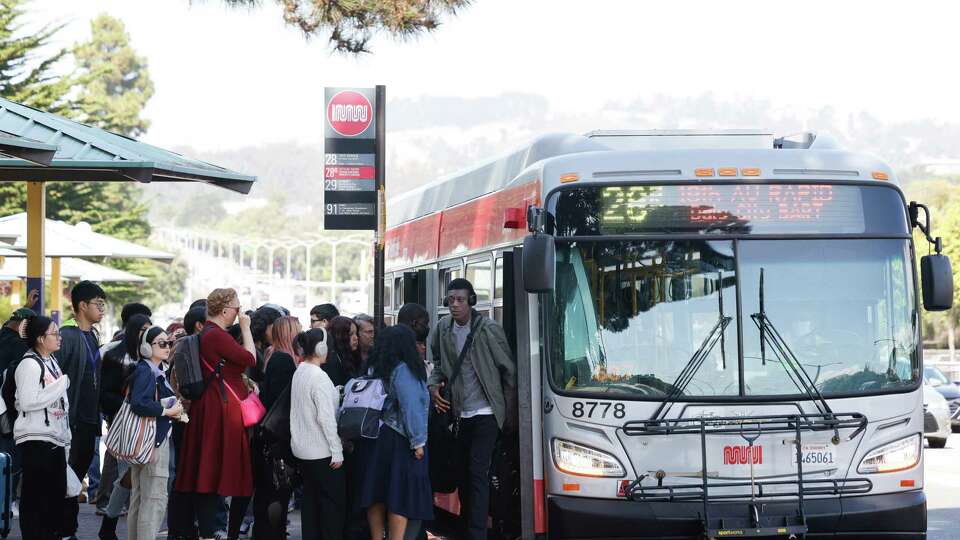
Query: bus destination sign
[(729, 207), (350, 159)]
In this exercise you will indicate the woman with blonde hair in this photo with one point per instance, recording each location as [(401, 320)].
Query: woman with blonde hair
[(216, 460), (270, 501)]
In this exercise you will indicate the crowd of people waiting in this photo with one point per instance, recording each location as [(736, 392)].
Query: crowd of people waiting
[(208, 465)]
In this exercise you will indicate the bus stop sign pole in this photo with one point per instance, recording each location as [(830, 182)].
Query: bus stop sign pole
[(378, 255), (354, 169)]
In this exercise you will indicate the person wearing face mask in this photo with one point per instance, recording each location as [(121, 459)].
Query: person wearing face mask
[(150, 395)]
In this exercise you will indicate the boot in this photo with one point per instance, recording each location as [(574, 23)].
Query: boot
[(108, 528)]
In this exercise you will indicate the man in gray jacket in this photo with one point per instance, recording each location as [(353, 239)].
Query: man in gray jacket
[(472, 352)]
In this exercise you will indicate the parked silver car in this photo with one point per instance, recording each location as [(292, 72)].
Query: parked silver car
[(936, 417), (950, 391)]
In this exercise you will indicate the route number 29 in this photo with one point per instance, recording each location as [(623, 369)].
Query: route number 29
[(591, 409)]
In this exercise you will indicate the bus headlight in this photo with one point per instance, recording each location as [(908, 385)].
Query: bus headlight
[(898, 455), (573, 458)]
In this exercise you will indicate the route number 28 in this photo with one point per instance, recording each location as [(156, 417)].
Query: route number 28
[(591, 409)]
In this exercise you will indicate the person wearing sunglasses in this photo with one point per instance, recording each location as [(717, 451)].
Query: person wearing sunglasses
[(150, 395)]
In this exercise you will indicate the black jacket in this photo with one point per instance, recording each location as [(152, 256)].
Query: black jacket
[(11, 348), (115, 369), (338, 371), (277, 376)]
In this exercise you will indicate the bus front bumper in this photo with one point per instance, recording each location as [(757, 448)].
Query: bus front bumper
[(893, 516)]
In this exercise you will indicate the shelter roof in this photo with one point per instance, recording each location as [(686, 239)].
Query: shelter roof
[(74, 269), (65, 240), (86, 153), (28, 149)]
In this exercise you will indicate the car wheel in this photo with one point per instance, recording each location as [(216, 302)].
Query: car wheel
[(937, 443)]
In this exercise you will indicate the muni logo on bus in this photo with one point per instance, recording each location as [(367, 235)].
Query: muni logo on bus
[(349, 113), (740, 455)]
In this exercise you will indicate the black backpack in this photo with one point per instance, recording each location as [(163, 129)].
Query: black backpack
[(9, 394), (186, 365)]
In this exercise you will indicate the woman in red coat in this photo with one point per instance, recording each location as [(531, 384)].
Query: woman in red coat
[(215, 459)]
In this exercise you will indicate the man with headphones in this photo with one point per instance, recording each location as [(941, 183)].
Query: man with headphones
[(472, 357)]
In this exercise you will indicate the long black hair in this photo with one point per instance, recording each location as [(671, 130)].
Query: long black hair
[(132, 334), (394, 345), (35, 329)]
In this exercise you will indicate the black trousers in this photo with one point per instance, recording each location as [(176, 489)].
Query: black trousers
[(82, 446), (44, 485), (476, 442), (324, 506), (269, 503)]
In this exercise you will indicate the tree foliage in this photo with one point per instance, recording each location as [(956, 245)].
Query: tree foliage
[(352, 23), (119, 84), (108, 88)]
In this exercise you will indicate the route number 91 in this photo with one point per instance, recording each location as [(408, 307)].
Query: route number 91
[(597, 409)]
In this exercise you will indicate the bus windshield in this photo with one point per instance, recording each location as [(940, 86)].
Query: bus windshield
[(630, 315)]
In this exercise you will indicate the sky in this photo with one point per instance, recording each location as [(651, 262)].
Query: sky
[(228, 78)]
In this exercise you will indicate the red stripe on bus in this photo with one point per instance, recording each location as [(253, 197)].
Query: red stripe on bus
[(479, 223), (468, 227), (539, 508)]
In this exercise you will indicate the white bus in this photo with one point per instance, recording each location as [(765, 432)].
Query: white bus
[(717, 333)]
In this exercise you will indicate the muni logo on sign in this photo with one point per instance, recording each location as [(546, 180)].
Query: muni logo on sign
[(349, 113), (741, 454)]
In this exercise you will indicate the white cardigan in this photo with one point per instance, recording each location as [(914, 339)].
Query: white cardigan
[(313, 415), (32, 398)]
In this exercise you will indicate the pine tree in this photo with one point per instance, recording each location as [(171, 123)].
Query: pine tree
[(119, 83), (352, 23)]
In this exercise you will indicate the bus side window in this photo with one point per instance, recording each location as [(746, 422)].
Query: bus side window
[(478, 273), (498, 279), (387, 292), (398, 291)]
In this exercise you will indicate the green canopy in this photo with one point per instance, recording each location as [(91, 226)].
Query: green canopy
[(85, 153), (33, 151)]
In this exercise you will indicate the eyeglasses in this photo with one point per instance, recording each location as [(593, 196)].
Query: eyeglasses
[(99, 305), (315, 321), (53, 334), (233, 307), (165, 344)]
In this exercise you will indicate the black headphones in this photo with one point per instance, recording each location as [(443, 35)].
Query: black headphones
[(471, 296)]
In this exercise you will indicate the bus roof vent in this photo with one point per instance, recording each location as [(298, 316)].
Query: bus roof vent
[(807, 140), (683, 139)]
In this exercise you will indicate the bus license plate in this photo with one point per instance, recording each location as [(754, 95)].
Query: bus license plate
[(816, 454)]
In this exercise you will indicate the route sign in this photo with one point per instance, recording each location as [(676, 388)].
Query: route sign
[(353, 142)]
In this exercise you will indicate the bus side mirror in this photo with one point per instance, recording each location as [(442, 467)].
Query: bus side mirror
[(539, 263), (936, 277)]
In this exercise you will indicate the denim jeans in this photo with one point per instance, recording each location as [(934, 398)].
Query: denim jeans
[(120, 496)]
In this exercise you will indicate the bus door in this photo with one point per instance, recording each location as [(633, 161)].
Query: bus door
[(420, 287), (521, 322)]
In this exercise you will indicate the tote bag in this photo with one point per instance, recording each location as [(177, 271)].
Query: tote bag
[(132, 438)]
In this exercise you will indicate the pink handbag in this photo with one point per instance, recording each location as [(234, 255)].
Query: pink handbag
[(251, 408)]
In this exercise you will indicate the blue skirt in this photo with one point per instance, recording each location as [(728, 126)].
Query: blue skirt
[(394, 477)]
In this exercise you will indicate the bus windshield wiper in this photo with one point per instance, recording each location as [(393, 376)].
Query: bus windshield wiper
[(693, 365), (770, 336)]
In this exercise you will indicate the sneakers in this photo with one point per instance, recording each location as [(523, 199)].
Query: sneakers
[(15, 510)]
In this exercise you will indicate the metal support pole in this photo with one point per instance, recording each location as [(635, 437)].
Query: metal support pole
[(308, 263), (379, 176), (56, 290), (36, 214), (333, 273)]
